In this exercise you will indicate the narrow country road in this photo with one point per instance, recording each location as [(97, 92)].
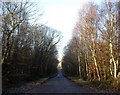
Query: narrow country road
[(59, 84)]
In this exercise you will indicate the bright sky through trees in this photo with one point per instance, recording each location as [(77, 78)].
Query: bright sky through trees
[(61, 15)]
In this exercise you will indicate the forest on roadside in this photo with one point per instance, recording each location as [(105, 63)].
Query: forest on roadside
[(29, 51), (93, 53)]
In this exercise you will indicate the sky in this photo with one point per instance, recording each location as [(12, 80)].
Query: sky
[(61, 15)]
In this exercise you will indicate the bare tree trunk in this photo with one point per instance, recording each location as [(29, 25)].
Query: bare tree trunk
[(96, 66), (118, 36), (111, 30), (112, 59), (94, 59), (111, 72), (86, 63), (79, 65)]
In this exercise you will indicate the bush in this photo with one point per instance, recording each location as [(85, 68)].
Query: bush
[(95, 83), (116, 84), (105, 84)]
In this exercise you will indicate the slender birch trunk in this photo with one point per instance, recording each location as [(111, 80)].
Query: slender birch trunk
[(94, 59)]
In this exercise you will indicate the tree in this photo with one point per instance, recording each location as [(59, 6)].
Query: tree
[(28, 51), (97, 42)]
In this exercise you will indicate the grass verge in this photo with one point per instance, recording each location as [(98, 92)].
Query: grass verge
[(28, 85), (104, 86)]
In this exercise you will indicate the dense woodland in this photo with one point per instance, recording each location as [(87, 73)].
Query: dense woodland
[(93, 53), (28, 50)]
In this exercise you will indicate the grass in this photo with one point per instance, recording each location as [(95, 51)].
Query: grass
[(29, 84), (110, 85), (79, 81)]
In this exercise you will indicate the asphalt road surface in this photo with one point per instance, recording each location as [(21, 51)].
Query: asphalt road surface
[(59, 84)]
